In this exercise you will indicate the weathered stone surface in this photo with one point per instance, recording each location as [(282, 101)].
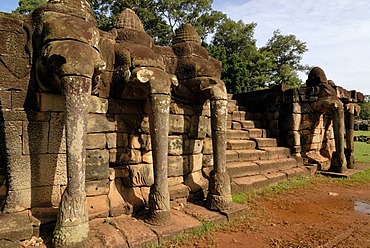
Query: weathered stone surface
[(138, 235), (18, 99), (97, 206), (134, 197), (125, 156), (178, 166), (195, 146), (179, 191), (175, 180), (51, 102), (97, 164), (104, 234), (96, 141), (140, 141), (141, 174), (13, 134), (5, 99), (177, 145), (196, 181), (117, 204), (195, 162), (200, 212), (125, 107), (98, 105), (179, 124), (181, 109), (147, 157), (117, 140), (57, 138), (132, 123), (181, 223), (200, 127), (15, 227), (207, 161), (98, 123), (96, 188), (207, 146)]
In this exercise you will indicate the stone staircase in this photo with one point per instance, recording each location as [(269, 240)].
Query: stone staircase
[(253, 159)]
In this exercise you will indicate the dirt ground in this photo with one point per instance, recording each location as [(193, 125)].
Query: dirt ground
[(322, 214)]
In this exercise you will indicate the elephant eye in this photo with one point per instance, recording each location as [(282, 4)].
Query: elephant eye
[(55, 61)]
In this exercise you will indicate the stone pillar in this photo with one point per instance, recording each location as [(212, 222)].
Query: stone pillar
[(219, 191), (338, 163), (159, 197), (72, 225), (349, 118)]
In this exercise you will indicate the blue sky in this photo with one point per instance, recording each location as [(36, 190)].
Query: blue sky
[(337, 32)]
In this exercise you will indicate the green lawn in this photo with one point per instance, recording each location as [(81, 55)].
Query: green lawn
[(362, 149)]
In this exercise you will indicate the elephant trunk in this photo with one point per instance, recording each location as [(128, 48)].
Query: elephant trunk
[(72, 224)]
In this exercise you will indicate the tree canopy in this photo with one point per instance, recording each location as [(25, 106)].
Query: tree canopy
[(245, 66)]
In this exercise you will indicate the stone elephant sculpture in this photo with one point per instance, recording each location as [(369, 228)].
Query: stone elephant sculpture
[(68, 60)]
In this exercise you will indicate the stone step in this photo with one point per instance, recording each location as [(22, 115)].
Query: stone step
[(265, 142), (247, 124), (237, 134), (277, 152), (257, 133), (268, 166), (248, 183), (242, 169), (245, 155), (238, 115), (240, 144)]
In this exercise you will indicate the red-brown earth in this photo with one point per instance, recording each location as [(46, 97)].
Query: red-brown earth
[(319, 214)]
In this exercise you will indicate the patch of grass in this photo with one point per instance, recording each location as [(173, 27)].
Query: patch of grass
[(362, 152), (239, 198), (364, 133)]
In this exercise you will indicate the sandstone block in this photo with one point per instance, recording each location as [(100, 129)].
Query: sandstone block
[(195, 146), (117, 204), (97, 164), (147, 157), (142, 174), (99, 123), (207, 160), (125, 156), (196, 181), (200, 127), (125, 107), (177, 145), (97, 206), (35, 137), (98, 105), (57, 138), (18, 99), (179, 124), (181, 109), (115, 140), (134, 197), (51, 102), (175, 180), (5, 98), (195, 162), (178, 166), (207, 146), (13, 134), (96, 188), (96, 141)]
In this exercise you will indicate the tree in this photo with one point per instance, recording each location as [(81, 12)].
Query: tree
[(27, 6), (365, 108), (245, 68), (161, 17), (287, 52)]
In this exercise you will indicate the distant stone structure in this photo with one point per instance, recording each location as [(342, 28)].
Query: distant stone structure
[(314, 121)]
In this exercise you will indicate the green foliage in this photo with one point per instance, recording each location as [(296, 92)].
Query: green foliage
[(27, 6), (287, 52), (365, 108)]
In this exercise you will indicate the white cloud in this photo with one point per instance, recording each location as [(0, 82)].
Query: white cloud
[(337, 32)]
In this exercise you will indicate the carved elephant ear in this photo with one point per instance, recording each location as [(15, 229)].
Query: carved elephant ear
[(15, 45), (186, 33)]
